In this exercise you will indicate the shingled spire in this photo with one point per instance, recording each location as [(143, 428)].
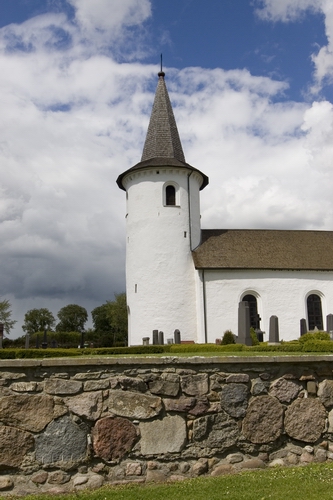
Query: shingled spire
[(162, 139), (162, 147)]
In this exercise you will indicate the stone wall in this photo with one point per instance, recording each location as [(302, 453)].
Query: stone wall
[(69, 424)]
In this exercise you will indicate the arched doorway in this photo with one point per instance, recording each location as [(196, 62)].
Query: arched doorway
[(315, 315)]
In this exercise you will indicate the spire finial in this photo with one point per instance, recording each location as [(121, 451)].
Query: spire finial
[(161, 73)]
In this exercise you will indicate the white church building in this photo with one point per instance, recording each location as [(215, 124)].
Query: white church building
[(180, 276)]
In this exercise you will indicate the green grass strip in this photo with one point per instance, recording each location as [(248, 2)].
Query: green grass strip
[(312, 482)]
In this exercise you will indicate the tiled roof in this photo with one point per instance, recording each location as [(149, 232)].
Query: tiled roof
[(265, 249)]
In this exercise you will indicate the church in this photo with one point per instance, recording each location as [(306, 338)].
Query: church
[(182, 277)]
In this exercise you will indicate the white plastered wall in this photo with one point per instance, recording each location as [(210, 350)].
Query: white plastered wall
[(279, 293), (160, 275)]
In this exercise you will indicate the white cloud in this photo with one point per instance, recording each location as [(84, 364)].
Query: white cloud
[(323, 60), (110, 14), (292, 10), (106, 23), (285, 10), (258, 154)]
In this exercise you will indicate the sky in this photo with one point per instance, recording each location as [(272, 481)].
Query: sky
[(251, 84)]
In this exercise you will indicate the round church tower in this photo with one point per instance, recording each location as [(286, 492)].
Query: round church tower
[(163, 227)]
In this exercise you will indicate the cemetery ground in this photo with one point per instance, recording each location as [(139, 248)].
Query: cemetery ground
[(312, 482)]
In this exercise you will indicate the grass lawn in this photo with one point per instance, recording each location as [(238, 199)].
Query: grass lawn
[(312, 482)]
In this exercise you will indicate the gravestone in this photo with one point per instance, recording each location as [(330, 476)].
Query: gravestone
[(155, 337), (273, 330), (303, 326), (329, 325), (177, 337), (161, 338), (244, 336)]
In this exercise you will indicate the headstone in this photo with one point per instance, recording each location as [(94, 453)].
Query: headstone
[(244, 336), (155, 337), (177, 337), (273, 329), (329, 325), (303, 326), (161, 338), (145, 340), (27, 340), (169, 341)]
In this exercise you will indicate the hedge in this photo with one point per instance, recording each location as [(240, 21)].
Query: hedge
[(318, 346), (135, 349), (185, 348), (61, 353), (38, 353), (309, 346)]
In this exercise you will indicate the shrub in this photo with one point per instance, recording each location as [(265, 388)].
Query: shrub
[(186, 348), (135, 349), (37, 353), (254, 337), (232, 347), (318, 346), (285, 347), (313, 336), (61, 339), (228, 338)]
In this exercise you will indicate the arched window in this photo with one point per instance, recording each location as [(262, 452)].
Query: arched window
[(254, 316), (170, 195), (315, 315)]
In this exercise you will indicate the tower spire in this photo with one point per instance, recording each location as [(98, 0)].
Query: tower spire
[(162, 139)]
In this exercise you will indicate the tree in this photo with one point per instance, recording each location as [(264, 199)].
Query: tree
[(72, 318), (37, 320), (100, 318), (117, 315), (5, 315), (110, 322)]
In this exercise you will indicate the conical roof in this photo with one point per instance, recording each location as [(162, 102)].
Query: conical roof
[(162, 147), (162, 139)]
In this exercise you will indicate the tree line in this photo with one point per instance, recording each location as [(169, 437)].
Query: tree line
[(109, 325)]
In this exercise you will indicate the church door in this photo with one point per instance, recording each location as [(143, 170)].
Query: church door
[(315, 315)]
